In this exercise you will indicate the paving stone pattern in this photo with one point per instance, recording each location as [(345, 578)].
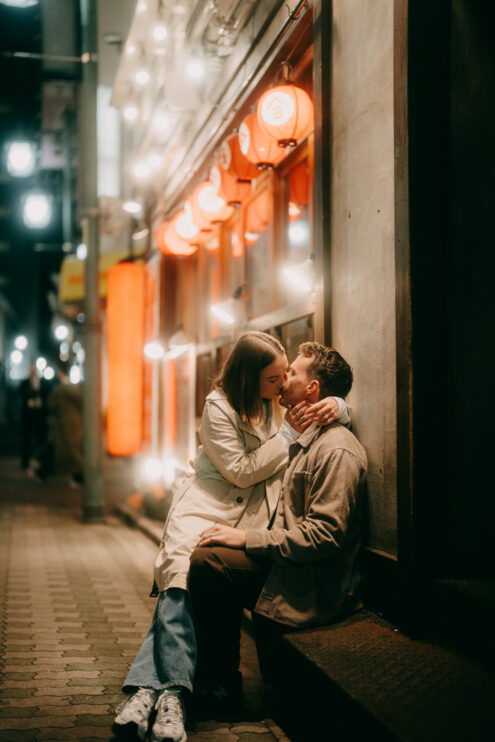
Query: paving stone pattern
[(75, 609)]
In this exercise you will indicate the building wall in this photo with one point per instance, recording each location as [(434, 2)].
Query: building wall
[(362, 280)]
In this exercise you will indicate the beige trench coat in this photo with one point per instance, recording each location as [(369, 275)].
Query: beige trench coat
[(239, 470)]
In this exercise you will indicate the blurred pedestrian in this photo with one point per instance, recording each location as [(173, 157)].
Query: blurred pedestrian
[(34, 392), (62, 451)]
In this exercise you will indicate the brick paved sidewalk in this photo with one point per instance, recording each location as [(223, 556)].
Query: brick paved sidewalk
[(75, 610)]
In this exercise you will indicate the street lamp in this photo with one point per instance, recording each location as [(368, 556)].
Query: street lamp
[(21, 342), (61, 332), (41, 364), (82, 251), (21, 159), (37, 210), (19, 3)]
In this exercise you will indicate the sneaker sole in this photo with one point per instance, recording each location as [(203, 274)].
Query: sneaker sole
[(153, 738)]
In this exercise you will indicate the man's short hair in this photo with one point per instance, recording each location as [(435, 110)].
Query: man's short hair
[(329, 368)]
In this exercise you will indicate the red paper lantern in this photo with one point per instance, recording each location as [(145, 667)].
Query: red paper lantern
[(125, 339), (184, 226), (286, 114), (207, 206), (234, 162), (228, 187), (169, 242), (257, 146)]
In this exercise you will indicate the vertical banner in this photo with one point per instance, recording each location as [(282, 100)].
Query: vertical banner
[(125, 335)]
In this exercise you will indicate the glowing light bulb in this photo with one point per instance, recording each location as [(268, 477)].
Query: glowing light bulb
[(81, 251), (21, 159), (37, 211), (21, 342)]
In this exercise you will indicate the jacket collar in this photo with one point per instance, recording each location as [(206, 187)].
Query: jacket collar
[(219, 396), (307, 437)]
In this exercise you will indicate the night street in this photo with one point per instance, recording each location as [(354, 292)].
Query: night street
[(76, 608), (246, 340)]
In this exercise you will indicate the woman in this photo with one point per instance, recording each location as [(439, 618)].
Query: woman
[(238, 475)]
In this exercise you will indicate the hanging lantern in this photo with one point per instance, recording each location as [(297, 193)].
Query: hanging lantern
[(228, 187), (286, 114), (257, 146), (235, 163), (201, 236), (125, 339), (185, 227), (169, 242), (207, 206)]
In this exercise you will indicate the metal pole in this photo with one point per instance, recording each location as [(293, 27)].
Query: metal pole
[(67, 182), (92, 506)]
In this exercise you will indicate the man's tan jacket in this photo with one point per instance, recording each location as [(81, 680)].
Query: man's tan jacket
[(316, 538)]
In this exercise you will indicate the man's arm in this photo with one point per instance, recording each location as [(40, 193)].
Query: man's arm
[(333, 489)]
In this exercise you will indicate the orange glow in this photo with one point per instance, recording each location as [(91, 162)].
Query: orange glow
[(208, 207), (233, 161), (151, 303), (299, 184), (286, 114), (185, 227), (125, 338), (169, 242), (257, 146), (228, 187)]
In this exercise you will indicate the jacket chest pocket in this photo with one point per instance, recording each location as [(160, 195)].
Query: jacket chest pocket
[(297, 492)]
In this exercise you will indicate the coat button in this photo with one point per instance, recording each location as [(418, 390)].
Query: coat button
[(239, 500)]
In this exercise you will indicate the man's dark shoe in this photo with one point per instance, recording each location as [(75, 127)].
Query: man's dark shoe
[(220, 700)]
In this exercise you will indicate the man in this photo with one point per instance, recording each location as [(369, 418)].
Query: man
[(34, 392), (301, 572)]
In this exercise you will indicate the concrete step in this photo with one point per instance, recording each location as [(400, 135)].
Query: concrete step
[(363, 680)]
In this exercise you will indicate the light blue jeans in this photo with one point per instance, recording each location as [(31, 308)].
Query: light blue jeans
[(168, 654)]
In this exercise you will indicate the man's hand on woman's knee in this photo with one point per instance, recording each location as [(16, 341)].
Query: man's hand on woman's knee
[(224, 536)]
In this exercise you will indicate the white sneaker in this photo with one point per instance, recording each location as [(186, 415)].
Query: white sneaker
[(170, 718), (133, 713)]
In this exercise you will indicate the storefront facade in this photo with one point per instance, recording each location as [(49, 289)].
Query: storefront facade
[(309, 248), (343, 210)]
